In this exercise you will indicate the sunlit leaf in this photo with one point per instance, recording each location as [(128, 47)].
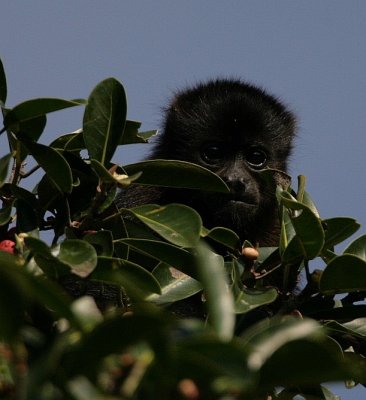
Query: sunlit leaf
[(174, 285), (112, 177), (249, 299), (220, 302), (177, 223), (104, 119), (308, 228), (79, 255)]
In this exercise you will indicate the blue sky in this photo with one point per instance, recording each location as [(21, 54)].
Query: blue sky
[(311, 54)]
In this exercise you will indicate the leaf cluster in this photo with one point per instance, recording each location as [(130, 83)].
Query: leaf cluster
[(89, 292)]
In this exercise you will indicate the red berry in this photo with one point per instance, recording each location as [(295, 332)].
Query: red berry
[(7, 245)]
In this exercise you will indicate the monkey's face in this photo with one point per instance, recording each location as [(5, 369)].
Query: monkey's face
[(235, 130)]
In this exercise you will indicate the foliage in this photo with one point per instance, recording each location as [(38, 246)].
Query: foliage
[(87, 313)]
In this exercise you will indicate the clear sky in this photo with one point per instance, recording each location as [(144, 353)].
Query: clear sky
[(311, 54)]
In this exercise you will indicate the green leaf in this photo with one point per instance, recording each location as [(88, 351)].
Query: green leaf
[(79, 255), (174, 285), (4, 167), (220, 302), (345, 273), (135, 279), (339, 229), (357, 327), (308, 228), (223, 236), (34, 108), (249, 299), (104, 119), (73, 141), (357, 248), (165, 252), (3, 87), (108, 177), (265, 339), (173, 173), (177, 223), (53, 163), (50, 265), (304, 361), (130, 133)]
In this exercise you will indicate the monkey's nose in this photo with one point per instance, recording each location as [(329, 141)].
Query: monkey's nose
[(241, 190), (235, 184)]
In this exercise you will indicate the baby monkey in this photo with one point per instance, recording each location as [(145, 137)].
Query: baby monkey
[(236, 130)]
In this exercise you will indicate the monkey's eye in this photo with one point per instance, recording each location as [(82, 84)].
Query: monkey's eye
[(256, 157), (212, 153)]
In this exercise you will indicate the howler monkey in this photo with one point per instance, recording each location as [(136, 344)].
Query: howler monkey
[(236, 130)]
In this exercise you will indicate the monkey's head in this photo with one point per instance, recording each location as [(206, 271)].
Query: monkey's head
[(236, 130)]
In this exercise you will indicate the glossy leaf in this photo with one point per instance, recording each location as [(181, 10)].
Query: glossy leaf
[(79, 255), (104, 119), (174, 285), (34, 108), (73, 141), (135, 279), (304, 361), (339, 229), (356, 327), (264, 338), (110, 177), (177, 223), (357, 248), (53, 163), (165, 252), (223, 236), (220, 302), (249, 299), (132, 135), (345, 273), (49, 264), (307, 225), (172, 173), (4, 167), (3, 87)]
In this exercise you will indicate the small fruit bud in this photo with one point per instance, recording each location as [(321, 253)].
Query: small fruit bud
[(250, 253)]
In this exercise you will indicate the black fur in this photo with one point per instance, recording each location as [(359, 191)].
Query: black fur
[(227, 126)]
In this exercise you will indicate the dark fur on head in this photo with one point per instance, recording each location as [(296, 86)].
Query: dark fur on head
[(236, 130)]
